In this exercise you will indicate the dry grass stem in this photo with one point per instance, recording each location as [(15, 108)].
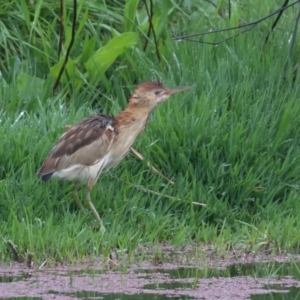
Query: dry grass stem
[(141, 157), (153, 192)]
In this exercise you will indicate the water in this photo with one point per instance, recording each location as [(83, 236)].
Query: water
[(5, 279), (255, 281), (250, 269), (88, 295), (24, 298), (289, 294)]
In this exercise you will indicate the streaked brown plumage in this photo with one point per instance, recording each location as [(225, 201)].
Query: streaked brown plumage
[(100, 142)]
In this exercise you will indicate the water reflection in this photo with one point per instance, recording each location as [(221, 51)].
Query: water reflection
[(287, 293), (260, 270), (94, 295)]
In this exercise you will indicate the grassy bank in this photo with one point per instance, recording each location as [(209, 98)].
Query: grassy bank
[(231, 143)]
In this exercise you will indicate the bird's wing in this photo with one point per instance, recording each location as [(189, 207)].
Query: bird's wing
[(85, 143)]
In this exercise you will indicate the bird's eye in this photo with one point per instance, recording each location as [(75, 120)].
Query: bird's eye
[(157, 93)]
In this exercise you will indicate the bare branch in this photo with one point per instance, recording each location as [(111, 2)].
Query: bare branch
[(221, 41), (293, 41), (69, 47), (61, 27), (276, 20), (151, 28), (237, 27), (213, 4), (294, 36)]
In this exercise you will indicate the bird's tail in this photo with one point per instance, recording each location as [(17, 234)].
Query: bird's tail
[(44, 177)]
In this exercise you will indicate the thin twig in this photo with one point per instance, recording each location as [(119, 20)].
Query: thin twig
[(276, 20), (141, 157), (69, 47), (152, 192), (153, 31), (215, 5), (61, 27), (151, 27), (221, 41), (229, 9), (236, 27), (211, 3), (293, 41), (294, 36)]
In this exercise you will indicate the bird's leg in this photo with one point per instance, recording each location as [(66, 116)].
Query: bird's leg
[(91, 205), (76, 198)]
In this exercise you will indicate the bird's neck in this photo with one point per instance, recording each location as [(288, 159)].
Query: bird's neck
[(133, 116), (128, 125)]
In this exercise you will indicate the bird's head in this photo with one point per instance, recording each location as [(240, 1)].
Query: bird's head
[(149, 94)]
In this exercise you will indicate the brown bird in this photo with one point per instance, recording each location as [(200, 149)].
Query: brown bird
[(99, 142)]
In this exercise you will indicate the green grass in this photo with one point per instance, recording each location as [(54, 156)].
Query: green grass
[(232, 143)]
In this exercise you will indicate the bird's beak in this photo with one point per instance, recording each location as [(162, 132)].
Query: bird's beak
[(177, 89)]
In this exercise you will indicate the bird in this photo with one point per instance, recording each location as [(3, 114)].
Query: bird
[(99, 142)]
